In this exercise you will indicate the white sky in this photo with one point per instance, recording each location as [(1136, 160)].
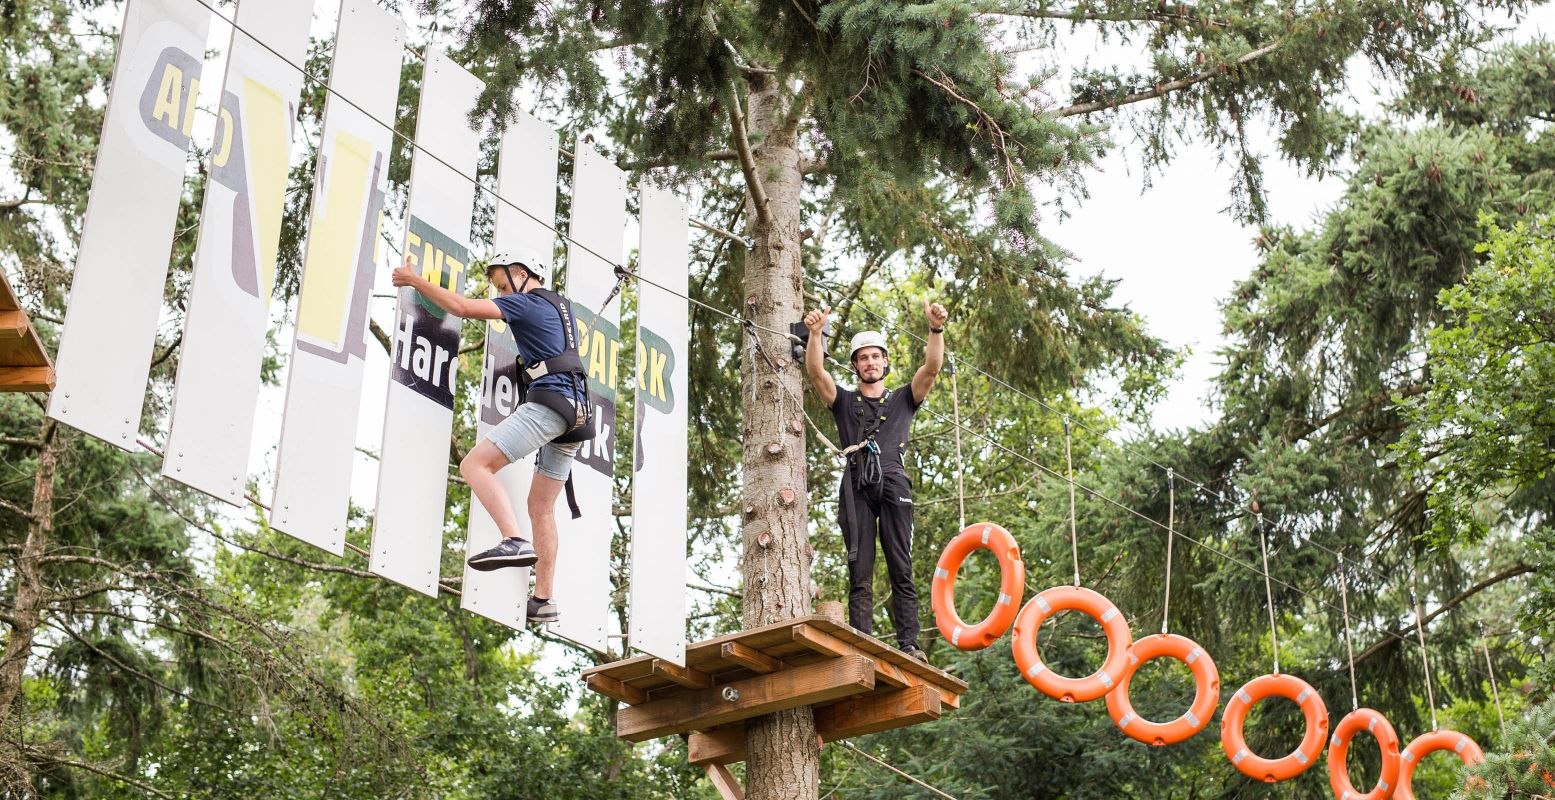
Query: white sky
[(1178, 254)]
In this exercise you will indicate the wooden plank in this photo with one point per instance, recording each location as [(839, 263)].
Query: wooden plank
[(685, 676), (775, 641), (825, 643), (750, 658), (8, 298), (718, 746), (610, 687), (881, 711), (700, 652), (26, 379), (877, 712), (724, 781), (13, 324), (700, 709), (870, 644)]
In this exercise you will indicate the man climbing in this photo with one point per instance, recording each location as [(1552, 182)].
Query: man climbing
[(551, 420), (874, 422)]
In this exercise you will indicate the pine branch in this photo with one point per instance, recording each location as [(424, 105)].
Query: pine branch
[(1368, 404), (68, 631), (1456, 600), (15, 509), (1086, 15), (742, 145), (997, 134), (93, 768), (1170, 86), (672, 161)]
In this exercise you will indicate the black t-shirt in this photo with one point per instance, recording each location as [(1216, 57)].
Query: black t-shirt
[(857, 415)]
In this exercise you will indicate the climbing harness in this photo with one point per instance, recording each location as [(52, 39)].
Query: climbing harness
[(1206, 679), (1277, 769), (1012, 585), (1427, 743), (567, 362), (1058, 687), (1232, 739), (1339, 747)]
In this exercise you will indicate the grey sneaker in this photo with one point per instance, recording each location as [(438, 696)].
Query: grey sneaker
[(542, 610), (916, 652), (508, 553)]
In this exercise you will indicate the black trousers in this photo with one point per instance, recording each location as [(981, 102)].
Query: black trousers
[(889, 515)]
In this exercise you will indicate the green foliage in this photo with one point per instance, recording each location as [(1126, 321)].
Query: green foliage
[(1523, 767), (1483, 429)]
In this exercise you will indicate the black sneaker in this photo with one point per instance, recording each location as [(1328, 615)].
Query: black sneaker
[(542, 610), (916, 652), (507, 553)]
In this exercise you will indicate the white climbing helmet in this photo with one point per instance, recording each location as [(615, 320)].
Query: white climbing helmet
[(528, 258), (864, 339)]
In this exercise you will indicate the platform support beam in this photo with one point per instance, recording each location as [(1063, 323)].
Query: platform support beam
[(724, 781), (701, 709), (869, 714)]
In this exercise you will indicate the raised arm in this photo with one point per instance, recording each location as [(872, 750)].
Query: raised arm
[(815, 357), (934, 354), (452, 302)]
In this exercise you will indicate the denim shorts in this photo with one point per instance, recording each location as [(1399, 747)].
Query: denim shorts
[(531, 428)]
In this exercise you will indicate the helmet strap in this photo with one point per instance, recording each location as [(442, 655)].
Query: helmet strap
[(517, 288)]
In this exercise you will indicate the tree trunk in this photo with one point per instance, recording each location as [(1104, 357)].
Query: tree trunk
[(783, 752), (30, 594)]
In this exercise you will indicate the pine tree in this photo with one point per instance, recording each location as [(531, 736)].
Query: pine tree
[(1524, 766)]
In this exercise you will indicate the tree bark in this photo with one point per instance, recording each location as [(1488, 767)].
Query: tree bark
[(784, 754), (30, 595)]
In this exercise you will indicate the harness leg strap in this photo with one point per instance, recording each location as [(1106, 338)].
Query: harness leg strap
[(572, 498)]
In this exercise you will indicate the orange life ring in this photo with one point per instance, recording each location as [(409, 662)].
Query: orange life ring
[(1339, 747), (1277, 769), (1206, 691), (1427, 743), (1012, 586), (1058, 687)]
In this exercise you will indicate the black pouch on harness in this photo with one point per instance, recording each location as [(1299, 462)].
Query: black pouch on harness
[(580, 415)]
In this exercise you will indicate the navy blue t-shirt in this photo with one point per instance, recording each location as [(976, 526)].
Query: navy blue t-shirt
[(537, 329)]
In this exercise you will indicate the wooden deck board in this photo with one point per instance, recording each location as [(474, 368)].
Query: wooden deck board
[(24, 364), (660, 697)]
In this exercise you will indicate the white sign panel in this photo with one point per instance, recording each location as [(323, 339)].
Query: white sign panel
[(234, 264), (127, 236), (324, 387), (598, 232), (659, 501), (526, 205), (418, 418)]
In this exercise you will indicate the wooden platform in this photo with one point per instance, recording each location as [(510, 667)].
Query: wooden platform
[(24, 365), (857, 684)]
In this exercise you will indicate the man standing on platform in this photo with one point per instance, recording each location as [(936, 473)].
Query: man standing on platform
[(876, 495)]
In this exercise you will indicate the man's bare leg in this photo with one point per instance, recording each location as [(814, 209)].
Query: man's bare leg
[(479, 469), (542, 521)]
